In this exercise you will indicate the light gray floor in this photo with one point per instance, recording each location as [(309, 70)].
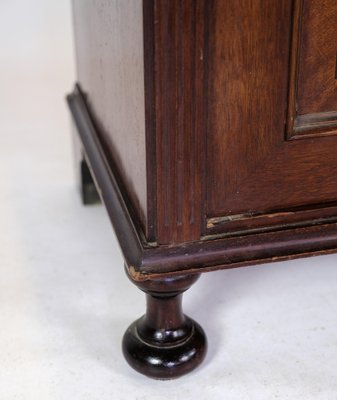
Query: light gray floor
[(64, 299)]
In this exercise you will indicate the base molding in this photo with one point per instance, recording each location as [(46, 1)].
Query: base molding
[(146, 260)]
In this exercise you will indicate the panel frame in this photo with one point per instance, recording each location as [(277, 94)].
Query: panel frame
[(307, 125), (301, 127)]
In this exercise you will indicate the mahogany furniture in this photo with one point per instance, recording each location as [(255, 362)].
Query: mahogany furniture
[(208, 128)]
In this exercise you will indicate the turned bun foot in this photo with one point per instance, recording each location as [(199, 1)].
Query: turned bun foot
[(164, 361), (164, 343)]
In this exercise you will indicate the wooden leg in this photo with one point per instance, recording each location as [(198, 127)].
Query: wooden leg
[(85, 182), (165, 343), (88, 189)]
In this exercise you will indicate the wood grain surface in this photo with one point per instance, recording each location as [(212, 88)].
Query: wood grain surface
[(313, 80), (206, 145), (251, 168), (110, 69)]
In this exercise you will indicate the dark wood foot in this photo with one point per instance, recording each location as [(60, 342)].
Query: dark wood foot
[(88, 189), (164, 343), (85, 182)]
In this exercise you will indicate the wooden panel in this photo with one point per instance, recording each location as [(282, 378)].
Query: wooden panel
[(313, 90), (179, 38), (109, 49), (247, 79), (256, 179), (146, 261), (317, 85)]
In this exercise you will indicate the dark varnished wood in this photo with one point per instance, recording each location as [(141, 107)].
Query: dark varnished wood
[(312, 93), (201, 168), (127, 230), (179, 42), (145, 259), (110, 67), (165, 343), (88, 189), (84, 179), (317, 58), (249, 44), (150, 118), (247, 114), (276, 220), (216, 114)]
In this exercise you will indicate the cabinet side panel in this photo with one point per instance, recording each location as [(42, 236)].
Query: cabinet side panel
[(110, 70)]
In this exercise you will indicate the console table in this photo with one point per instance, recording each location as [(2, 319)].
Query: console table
[(208, 129)]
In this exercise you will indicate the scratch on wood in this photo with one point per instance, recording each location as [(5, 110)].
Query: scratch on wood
[(136, 275), (212, 222)]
